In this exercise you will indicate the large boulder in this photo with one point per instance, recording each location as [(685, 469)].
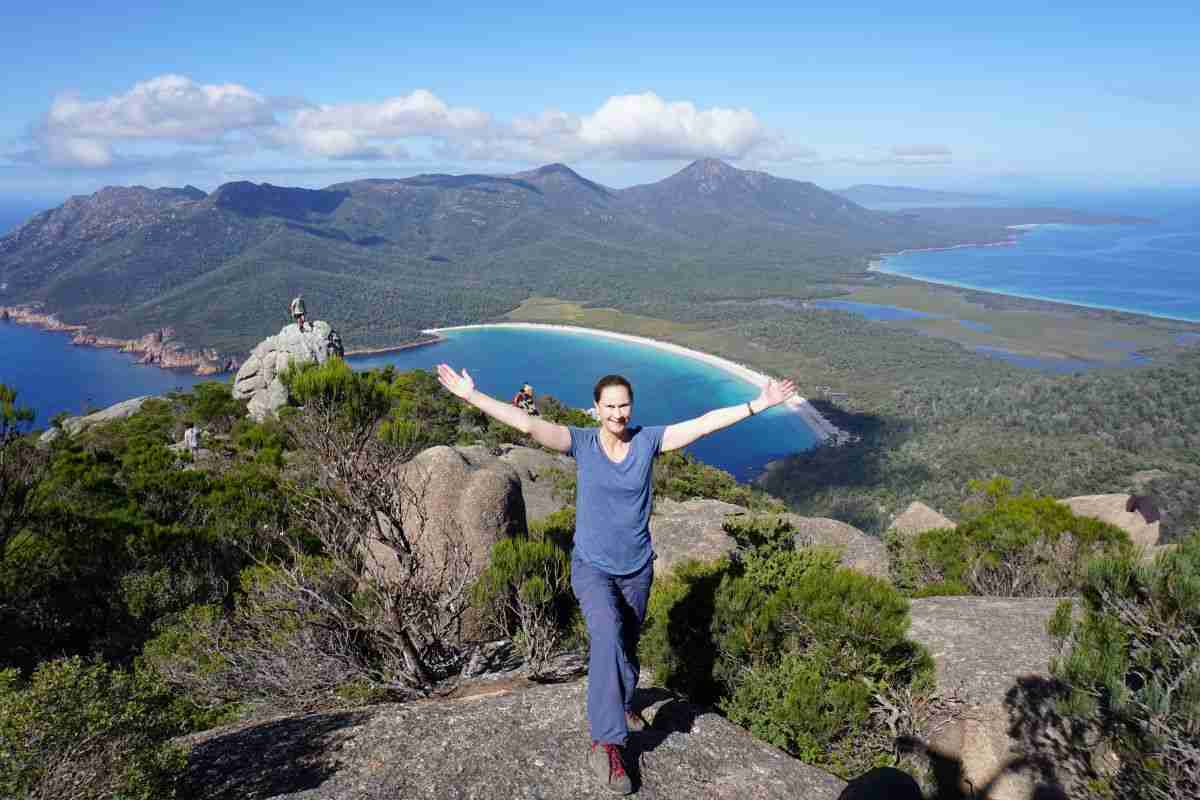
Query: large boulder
[(536, 469), (500, 743), (861, 552), (73, 426), (1120, 510), (981, 647), (691, 529), (448, 502), (258, 379), (918, 518)]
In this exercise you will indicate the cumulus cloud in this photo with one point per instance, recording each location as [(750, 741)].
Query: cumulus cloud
[(235, 120), (169, 108), (372, 130)]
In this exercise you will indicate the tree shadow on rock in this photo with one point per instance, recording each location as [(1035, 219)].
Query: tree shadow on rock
[(1059, 749), (266, 759), (949, 778)]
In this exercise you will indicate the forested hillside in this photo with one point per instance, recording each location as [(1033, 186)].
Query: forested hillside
[(384, 258)]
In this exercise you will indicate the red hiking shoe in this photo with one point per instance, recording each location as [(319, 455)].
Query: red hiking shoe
[(604, 760)]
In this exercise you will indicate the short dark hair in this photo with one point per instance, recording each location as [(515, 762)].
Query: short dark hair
[(611, 380)]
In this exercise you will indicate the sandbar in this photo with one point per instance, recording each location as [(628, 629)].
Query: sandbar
[(824, 430)]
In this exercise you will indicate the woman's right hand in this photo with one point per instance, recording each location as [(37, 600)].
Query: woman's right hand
[(460, 386)]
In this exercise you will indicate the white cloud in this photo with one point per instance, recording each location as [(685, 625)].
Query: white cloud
[(372, 130), (233, 120)]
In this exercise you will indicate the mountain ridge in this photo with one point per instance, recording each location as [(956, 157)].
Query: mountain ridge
[(386, 258)]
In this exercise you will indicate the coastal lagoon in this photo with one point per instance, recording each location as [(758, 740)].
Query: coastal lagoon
[(53, 376)]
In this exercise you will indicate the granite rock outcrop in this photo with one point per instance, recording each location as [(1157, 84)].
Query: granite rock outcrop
[(258, 378), (498, 742), (73, 426)]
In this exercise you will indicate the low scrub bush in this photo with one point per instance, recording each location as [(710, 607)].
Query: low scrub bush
[(292, 640), (83, 731), (526, 589), (679, 476), (1123, 719), (790, 645), (1015, 546)]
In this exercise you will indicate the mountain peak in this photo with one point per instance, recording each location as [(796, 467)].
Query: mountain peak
[(710, 167)]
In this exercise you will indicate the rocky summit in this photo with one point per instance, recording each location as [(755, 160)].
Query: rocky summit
[(258, 379), (513, 742)]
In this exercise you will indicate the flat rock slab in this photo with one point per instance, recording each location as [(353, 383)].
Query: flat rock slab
[(510, 744), (981, 645), (691, 529)]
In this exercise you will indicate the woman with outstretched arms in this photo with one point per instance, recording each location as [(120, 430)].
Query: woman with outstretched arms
[(612, 563)]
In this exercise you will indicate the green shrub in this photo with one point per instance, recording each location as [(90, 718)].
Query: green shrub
[(75, 730), (558, 528), (680, 476), (1128, 707), (213, 406), (788, 644), (290, 640), (1016, 546), (527, 589), (677, 638)]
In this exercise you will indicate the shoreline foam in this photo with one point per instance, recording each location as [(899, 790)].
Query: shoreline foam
[(823, 429)]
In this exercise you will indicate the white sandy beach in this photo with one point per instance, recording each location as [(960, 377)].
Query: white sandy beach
[(823, 428)]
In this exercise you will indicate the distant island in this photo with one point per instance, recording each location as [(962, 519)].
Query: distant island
[(868, 193)]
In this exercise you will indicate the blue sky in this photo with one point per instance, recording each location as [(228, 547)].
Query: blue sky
[(307, 94)]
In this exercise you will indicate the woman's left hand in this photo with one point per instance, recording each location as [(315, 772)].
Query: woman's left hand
[(775, 392)]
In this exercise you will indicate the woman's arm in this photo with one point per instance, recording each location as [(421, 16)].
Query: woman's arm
[(681, 434), (547, 434)]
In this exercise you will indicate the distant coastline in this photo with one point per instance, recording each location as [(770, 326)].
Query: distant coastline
[(379, 351), (157, 348), (824, 430), (878, 264)]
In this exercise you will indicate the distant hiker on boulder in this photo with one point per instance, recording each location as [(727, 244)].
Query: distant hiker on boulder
[(612, 565), (524, 401), (298, 311), (334, 340), (191, 440)]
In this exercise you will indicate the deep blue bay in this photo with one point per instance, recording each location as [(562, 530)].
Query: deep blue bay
[(52, 376), (667, 387), (1151, 268)]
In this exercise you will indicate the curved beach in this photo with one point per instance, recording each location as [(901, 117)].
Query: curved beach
[(823, 428)]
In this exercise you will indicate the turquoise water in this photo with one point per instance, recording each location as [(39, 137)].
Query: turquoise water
[(52, 375), (1149, 269), (667, 387)]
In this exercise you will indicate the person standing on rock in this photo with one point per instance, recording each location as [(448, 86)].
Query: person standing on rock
[(298, 311), (612, 564)]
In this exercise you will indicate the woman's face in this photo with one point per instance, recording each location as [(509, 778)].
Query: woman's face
[(614, 408)]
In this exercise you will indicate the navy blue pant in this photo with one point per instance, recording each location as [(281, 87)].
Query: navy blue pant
[(614, 607)]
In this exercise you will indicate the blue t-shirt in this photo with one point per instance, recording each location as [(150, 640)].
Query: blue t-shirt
[(612, 501)]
